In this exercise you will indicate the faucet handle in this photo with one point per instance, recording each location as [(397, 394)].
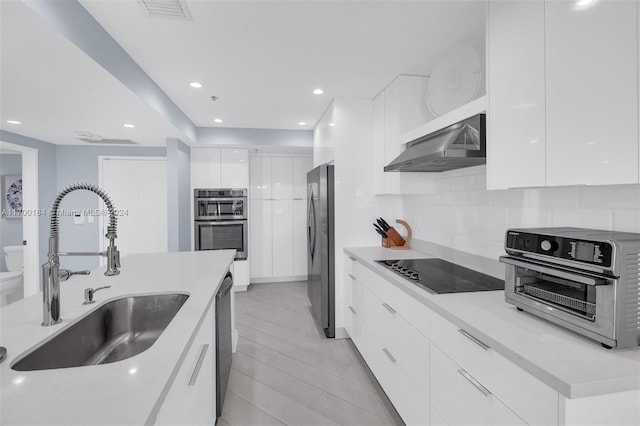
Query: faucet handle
[(89, 292), (65, 274)]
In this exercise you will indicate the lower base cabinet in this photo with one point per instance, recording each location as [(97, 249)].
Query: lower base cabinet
[(191, 400), (460, 399)]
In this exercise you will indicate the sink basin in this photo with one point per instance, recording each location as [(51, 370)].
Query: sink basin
[(117, 330)]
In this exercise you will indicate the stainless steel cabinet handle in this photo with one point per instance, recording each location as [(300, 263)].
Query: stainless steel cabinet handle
[(353, 277), (474, 339), (353, 310), (389, 308), (474, 382), (196, 370), (389, 355), (353, 259)]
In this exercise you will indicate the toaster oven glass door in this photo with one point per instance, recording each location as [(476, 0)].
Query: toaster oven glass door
[(569, 291)]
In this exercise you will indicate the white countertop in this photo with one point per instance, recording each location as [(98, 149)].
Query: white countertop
[(127, 392), (573, 365)]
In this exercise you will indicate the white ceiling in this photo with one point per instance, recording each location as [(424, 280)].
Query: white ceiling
[(261, 58), (54, 89)]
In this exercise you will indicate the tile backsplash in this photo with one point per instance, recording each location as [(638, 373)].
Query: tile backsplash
[(463, 215)]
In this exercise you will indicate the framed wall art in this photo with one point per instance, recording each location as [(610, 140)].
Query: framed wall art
[(11, 196)]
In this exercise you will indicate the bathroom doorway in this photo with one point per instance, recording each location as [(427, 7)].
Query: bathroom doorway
[(30, 214)]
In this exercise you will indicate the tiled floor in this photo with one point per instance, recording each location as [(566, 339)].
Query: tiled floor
[(286, 373)]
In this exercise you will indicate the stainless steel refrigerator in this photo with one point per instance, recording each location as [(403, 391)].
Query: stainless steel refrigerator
[(320, 247)]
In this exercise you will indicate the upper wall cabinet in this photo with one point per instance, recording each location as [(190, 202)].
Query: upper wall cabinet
[(592, 93), (205, 167), (515, 63), (220, 168), (234, 168), (563, 93)]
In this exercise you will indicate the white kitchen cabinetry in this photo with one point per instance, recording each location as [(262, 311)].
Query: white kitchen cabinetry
[(282, 178), (261, 234), (220, 168), (278, 217), (400, 107), (301, 166), (516, 119), (461, 399), (282, 238), (205, 167), (592, 93), (234, 168), (191, 399), (426, 366), (260, 178), (563, 94), (396, 352), (513, 386)]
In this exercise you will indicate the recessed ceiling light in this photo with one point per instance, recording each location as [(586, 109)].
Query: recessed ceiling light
[(195, 84), (14, 122), (129, 126), (318, 92), (302, 123), (332, 124), (217, 120)]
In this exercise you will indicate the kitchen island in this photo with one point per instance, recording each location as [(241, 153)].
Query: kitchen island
[(127, 392), (529, 370)]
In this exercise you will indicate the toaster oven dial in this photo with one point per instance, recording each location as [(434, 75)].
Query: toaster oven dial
[(547, 245)]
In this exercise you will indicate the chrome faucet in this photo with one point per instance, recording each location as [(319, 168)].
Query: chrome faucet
[(51, 272)]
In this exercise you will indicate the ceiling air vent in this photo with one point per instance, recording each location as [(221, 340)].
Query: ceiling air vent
[(109, 141), (175, 9)]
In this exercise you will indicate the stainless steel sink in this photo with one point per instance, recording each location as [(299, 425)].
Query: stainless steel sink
[(117, 330)]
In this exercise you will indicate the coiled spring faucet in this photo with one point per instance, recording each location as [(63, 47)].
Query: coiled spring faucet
[(51, 272)]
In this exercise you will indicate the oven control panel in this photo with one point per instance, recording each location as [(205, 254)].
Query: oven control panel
[(586, 251)]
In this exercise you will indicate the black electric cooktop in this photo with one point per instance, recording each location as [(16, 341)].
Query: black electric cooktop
[(440, 276)]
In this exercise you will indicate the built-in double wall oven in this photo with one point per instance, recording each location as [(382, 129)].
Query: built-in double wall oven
[(221, 220)]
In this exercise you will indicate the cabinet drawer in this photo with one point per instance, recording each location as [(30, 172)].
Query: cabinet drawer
[(510, 383), (461, 400), (408, 346), (409, 401), (348, 263), (414, 312), (349, 312)]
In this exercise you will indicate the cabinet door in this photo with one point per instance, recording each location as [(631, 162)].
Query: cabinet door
[(461, 399), (282, 178), (349, 312), (516, 80), (592, 93), (261, 238), (300, 237), (301, 165), (205, 167), (358, 315), (282, 238), (234, 168), (260, 178), (191, 399)]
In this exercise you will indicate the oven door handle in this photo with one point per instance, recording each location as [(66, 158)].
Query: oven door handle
[(571, 276)]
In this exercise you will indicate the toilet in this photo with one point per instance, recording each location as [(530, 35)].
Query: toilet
[(11, 283)]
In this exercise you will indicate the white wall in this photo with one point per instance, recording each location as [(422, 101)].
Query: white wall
[(350, 145), (463, 215)]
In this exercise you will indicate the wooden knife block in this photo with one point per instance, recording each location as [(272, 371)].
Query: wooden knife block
[(395, 240)]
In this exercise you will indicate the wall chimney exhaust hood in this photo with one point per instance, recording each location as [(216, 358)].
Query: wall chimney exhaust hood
[(452, 141)]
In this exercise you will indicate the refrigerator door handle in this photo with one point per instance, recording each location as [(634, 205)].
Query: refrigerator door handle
[(311, 225)]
